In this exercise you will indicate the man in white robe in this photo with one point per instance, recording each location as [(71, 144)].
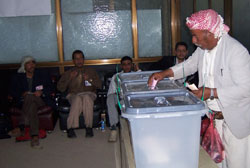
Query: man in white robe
[(223, 65)]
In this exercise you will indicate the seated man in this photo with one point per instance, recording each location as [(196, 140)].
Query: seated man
[(31, 89), (81, 83), (181, 52), (126, 66)]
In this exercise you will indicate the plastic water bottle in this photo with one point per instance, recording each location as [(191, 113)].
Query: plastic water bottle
[(102, 125), (103, 122)]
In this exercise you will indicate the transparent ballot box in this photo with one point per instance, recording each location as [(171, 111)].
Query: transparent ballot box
[(141, 87), (136, 76), (165, 128)]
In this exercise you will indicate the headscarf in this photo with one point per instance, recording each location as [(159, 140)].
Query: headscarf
[(207, 20), (24, 60)]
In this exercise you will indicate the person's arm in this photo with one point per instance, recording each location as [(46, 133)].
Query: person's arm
[(136, 67), (112, 85), (94, 79), (160, 75), (189, 66), (38, 93), (42, 79), (64, 81), (207, 93), (238, 73)]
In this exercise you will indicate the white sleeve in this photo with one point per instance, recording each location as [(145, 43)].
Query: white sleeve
[(189, 66), (112, 85)]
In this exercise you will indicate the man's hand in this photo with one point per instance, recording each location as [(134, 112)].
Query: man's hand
[(38, 93), (136, 67), (160, 75), (73, 74), (155, 76), (198, 93)]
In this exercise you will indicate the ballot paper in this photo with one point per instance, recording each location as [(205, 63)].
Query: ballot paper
[(87, 83), (40, 87), (191, 87)]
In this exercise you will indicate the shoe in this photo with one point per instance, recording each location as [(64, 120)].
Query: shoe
[(89, 132), (113, 127), (71, 133), (16, 132), (34, 143), (113, 136)]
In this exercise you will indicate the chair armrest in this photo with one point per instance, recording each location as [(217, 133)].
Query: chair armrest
[(62, 102)]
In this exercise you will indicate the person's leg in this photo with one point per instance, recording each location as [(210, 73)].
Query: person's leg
[(218, 125), (30, 109), (87, 105), (75, 111), (112, 109), (237, 150), (113, 116)]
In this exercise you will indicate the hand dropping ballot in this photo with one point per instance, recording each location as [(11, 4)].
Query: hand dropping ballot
[(152, 87), (154, 84)]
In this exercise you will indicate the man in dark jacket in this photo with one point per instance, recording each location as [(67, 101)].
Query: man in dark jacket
[(31, 89)]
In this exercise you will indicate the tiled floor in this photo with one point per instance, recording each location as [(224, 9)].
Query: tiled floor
[(61, 152)]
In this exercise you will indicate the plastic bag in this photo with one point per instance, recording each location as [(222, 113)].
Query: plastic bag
[(212, 143), (204, 125)]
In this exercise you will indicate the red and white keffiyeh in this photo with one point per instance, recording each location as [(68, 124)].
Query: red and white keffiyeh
[(207, 20)]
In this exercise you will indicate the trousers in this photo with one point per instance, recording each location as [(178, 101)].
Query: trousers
[(29, 110), (112, 109), (237, 151), (81, 103)]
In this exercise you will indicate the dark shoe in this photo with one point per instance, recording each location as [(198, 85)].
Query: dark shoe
[(71, 133), (113, 127), (34, 143), (89, 132)]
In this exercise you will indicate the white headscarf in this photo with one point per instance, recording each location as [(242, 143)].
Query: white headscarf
[(24, 60)]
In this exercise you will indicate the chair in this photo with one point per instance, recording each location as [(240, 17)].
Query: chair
[(45, 115), (63, 107)]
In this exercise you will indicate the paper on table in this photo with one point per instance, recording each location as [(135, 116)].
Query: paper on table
[(171, 78), (192, 87)]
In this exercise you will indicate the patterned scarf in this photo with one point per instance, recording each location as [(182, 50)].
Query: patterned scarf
[(207, 20)]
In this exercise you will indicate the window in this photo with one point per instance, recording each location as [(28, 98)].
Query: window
[(101, 29), (28, 35)]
